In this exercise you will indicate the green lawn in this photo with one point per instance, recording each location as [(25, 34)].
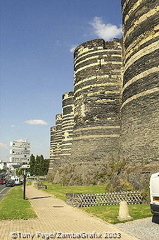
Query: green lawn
[(60, 192), (13, 206), (108, 213)]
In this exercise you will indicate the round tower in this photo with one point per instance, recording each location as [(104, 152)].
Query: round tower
[(52, 147), (57, 140), (140, 93), (67, 125), (97, 88)]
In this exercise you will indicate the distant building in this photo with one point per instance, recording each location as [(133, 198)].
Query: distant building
[(3, 165), (20, 152)]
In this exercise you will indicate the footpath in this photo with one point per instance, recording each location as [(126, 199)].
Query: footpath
[(57, 220)]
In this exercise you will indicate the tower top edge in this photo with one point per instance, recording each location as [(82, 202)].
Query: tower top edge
[(97, 43), (68, 93), (58, 116)]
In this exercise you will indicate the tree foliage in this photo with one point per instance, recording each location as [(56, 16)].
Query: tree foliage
[(38, 166)]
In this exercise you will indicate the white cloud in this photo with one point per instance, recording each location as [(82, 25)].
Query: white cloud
[(106, 31), (72, 49), (21, 140), (36, 122), (3, 145)]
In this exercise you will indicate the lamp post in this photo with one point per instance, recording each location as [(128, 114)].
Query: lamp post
[(24, 186)]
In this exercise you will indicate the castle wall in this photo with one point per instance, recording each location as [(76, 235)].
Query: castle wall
[(97, 88), (52, 147), (140, 93), (114, 113), (56, 143), (67, 125)]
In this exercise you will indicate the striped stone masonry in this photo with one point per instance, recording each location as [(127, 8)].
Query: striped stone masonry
[(140, 93), (52, 147), (56, 143), (113, 112), (67, 125), (97, 94)]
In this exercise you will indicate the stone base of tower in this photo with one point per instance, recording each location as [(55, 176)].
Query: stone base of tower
[(95, 149), (81, 173), (117, 176), (140, 130)]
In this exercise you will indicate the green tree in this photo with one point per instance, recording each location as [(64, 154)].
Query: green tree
[(38, 166), (46, 166), (19, 172), (32, 165), (42, 162)]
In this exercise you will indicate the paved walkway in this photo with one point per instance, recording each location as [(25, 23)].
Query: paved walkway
[(56, 217)]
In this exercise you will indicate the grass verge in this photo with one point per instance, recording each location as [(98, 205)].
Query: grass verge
[(60, 192), (108, 213), (28, 183), (13, 206)]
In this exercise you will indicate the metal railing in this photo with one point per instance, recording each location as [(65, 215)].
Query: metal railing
[(112, 198)]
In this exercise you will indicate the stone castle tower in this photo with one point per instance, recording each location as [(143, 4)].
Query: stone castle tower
[(67, 125), (52, 147), (55, 142), (62, 133), (140, 93), (116, 117), (97, 89)]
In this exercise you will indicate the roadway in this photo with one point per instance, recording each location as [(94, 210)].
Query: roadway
[(3, 190)]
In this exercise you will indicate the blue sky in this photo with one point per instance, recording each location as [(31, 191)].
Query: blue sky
[(37, 41)]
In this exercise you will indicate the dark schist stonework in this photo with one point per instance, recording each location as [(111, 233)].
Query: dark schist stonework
[(93, 150), (139, 141), (141, 9), (112, 116), (139, 138), (97, 94), (144, 63), (67, 125), (55, 143), (148, 82), (143, 45), (140, 30)]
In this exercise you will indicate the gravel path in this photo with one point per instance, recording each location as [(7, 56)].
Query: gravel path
[(143, 229)]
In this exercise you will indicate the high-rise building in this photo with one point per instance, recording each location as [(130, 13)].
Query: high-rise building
[(20, 152)]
